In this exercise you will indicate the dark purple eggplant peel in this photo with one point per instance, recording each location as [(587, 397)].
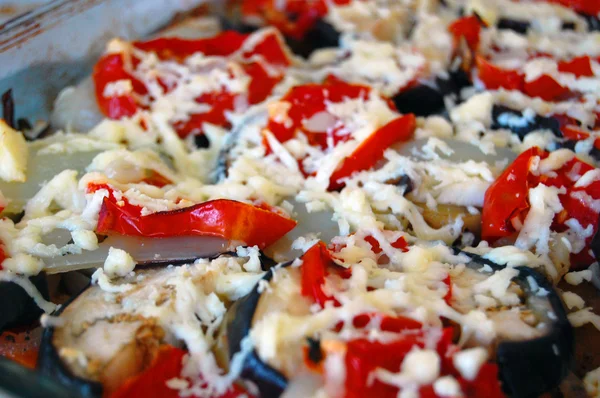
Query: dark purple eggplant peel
[(50, 362), (527, 368)]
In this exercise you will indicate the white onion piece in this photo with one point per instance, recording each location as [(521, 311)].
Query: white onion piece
[(462, 151), (143, 250), (41, 169), (76, 108), (308, 223)]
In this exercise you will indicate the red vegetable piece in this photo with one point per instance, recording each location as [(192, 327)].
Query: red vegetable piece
[(507, 197), (371, 149), (469, 28), (314, 270), (228, 219), (109, 69), (448, 295), (394, 324), (579, 66), (308, 100), (364, 356), (494, 77), (223, 44), (589, 7), (220, 103), (153, 381), (546, 88), (400, 243)]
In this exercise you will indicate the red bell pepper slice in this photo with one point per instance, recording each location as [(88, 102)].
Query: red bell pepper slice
[(363, 356), (174, 48), (579, 66), (317, 262), (494, 77), (546, 88), (589, 7), (152, 382), (270, 48), (507, 199), (468, 28), (227, 219), (310, 99), (371, 149), (393, 324), (294, 19), (400, 243), (110, 68)]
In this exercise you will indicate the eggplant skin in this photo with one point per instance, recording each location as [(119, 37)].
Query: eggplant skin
[(321, 35), (593, 22), (533, 367), (428, 99), (50, 364), (595, 245), (270, 382), (515, 25), (17, 308), (538, 122)]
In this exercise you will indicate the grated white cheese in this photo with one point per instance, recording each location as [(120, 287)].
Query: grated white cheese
[(118, 263), (469, 361)]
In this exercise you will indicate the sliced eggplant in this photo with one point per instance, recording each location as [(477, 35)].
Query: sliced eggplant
[(521, 124), (593, 22), (270, 381), (17, 308), (18, 381), (528, 367), (533, 367), (321, 35), (516, 25), (98, 339), (427, 99), (422, 100)]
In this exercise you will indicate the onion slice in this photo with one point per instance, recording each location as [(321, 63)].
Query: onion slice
[(144, 250)]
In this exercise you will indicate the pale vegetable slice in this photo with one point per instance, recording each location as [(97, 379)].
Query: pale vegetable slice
[(180, 249), (42, 168), (460, 151)]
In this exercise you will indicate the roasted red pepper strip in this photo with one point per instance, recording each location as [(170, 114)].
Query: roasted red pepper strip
[(317, 263), (469, 28), (393, 324), (109, 69), (494, 77), (579, 66), (363, 356), (223, 44), (295, 18), (269, 48), (589, 7), (400, 243), (153, 381), (371, 149), (314, 270), (308, 100), (507, 199), (227, 219), (545, 87)]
